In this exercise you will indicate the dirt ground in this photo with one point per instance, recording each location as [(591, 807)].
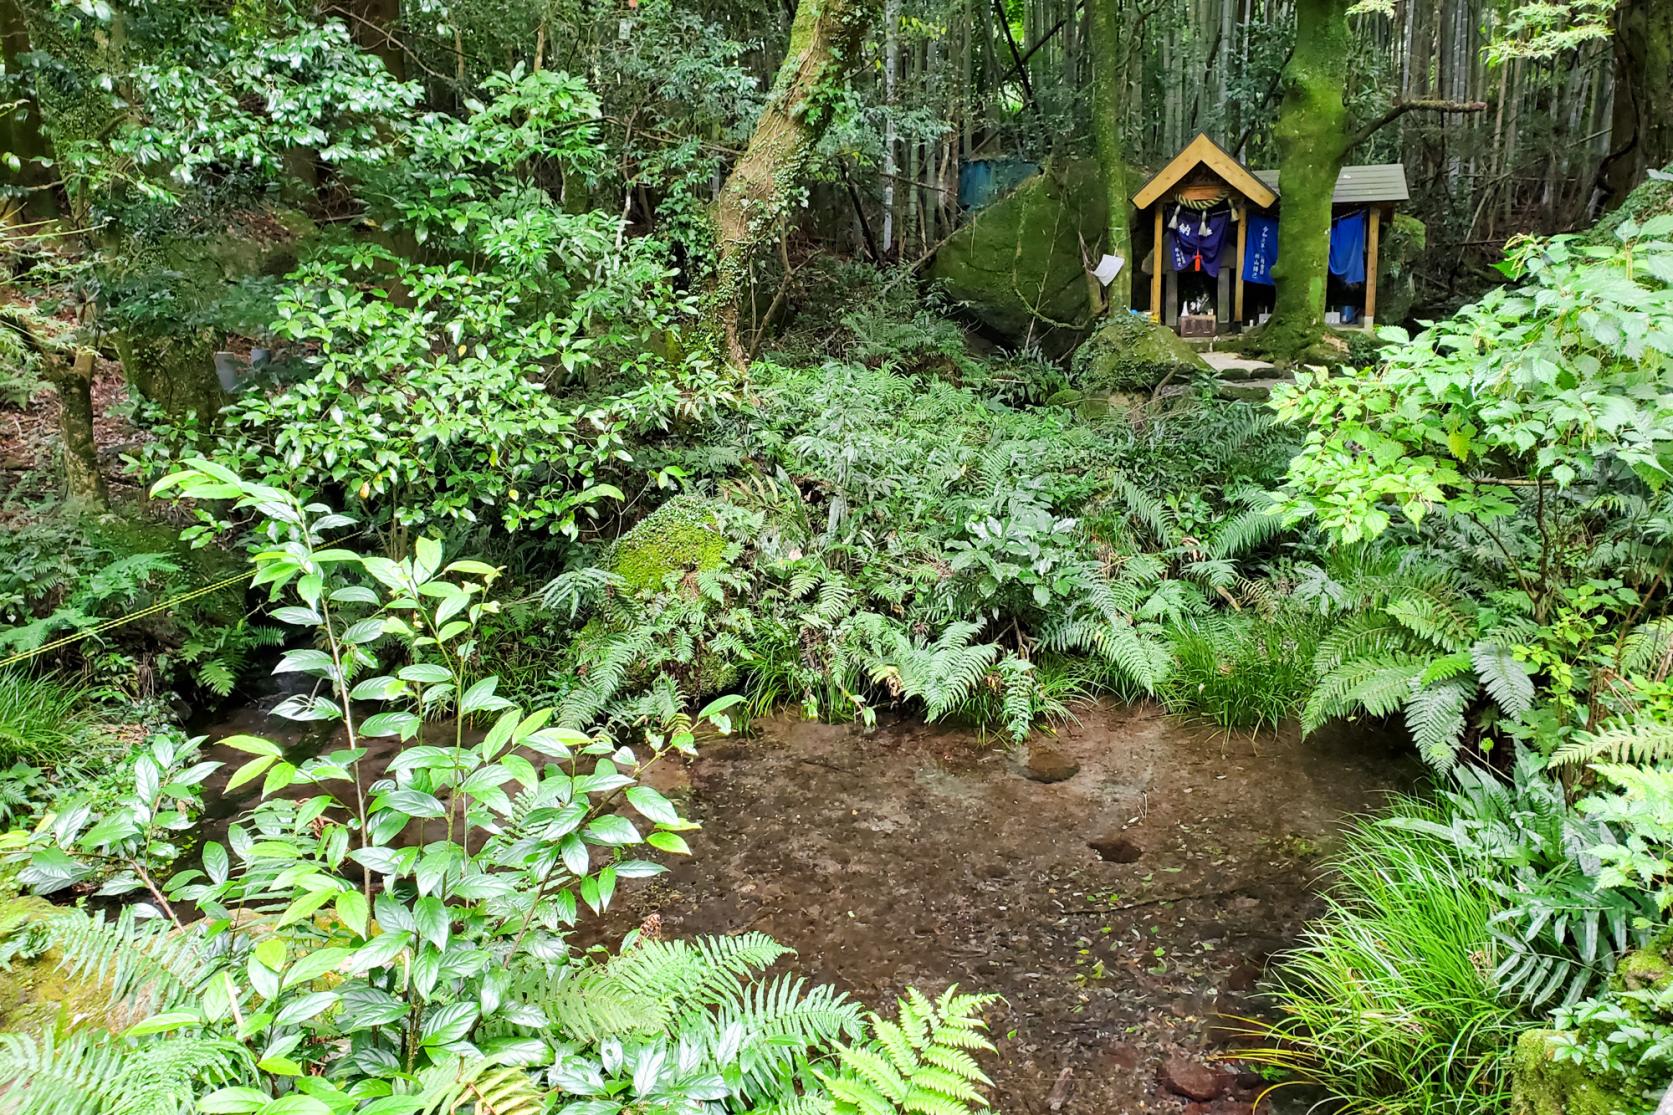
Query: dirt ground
[(1124, 913), (915, 855)]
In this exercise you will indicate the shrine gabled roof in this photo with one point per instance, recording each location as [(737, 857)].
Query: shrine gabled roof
[(1203, 151)]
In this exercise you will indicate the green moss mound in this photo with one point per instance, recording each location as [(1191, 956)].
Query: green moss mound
[(1132, 353), (36, 993), (1652, 198), (683, 535), (1542, 1085), (1017, 266)]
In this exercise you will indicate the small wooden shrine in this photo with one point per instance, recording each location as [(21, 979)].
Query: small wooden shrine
[(1212, 229)]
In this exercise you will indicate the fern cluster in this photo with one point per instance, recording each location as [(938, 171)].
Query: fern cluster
[(669, 1021), (888, 540)]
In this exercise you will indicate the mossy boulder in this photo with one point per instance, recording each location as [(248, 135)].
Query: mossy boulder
[(1132, 353), (36, 992), (683, 535), (1645, 969), (1017, 266), (196, 288), (1542, 1085), (1651, 198), (1398, 258)]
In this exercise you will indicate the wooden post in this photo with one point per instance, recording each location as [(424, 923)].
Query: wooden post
[(1371, 269), (1242, 242), (1156, 269)]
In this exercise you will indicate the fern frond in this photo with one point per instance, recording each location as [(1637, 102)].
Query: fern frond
[(1505, 679), (145, 965), (1238, 535), (1638, 742), (1435, 719), (95, 1074)]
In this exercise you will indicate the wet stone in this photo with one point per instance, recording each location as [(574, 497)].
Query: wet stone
[(1191, 1079)]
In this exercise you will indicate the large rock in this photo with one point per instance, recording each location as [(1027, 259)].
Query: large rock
[(214, 282), (1542, 1085), (1132, 353), (1398, 258), (684, 535), (1191, 1079), (1017, 265)]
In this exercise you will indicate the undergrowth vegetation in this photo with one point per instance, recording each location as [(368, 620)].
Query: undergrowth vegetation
[(371, 324)]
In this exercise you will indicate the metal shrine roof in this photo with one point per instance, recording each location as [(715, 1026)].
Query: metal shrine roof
[(1358, 185)]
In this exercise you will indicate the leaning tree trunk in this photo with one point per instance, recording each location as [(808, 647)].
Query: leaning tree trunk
[(1641, 123), (1109, 82), (759, 192), (1312, 139), (73, 382)]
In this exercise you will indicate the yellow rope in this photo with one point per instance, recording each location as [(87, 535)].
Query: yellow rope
[(24, 656)]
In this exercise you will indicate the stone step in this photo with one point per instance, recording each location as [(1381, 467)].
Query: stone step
[(1250, 390), (1229, 365)]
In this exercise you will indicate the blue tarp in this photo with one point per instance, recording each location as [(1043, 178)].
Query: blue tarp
[(1347, 247), (1260, 250), (982, 180), (1199, 240)]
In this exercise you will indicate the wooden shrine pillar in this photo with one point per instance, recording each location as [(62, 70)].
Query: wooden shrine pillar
[(1156, 269), (1371, 239), (1242, 214)]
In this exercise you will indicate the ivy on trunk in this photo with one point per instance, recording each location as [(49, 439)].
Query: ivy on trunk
[(767, 177)]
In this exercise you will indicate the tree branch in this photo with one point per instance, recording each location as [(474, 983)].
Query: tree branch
[(1400, 108)]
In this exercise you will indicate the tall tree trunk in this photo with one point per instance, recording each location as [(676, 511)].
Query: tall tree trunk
[(891, 100), (1312, 139), (1641, 124), (373, 25), (1108, 45), (824, 37), (20, 131), (72, 381)]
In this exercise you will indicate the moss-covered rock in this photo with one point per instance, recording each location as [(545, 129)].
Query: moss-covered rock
[(1017, 266), (36, 992), (1132, 353), (1542, 1085), (1398, 255), (1645, 969), (189, 291), (683, 535)]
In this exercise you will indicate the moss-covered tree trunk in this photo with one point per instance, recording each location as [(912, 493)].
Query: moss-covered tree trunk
[(73, 381), (764, 182), (1641, 124), (1109, 60), (1312, 138), (20, 131)]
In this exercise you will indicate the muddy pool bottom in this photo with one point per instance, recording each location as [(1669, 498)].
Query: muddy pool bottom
[(1122, 886)]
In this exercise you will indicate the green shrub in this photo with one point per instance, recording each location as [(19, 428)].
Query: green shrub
[(1241, 671), (44, 720), (1389, 1003)]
